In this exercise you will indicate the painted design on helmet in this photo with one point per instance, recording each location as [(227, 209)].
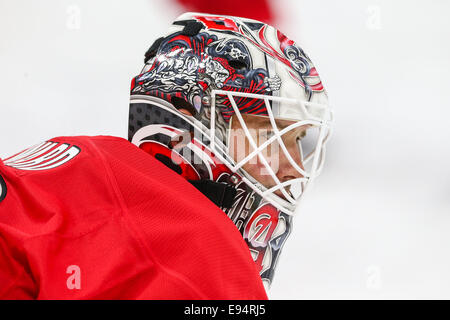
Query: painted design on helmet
[(190, 67), (291, 55), (217, 67)]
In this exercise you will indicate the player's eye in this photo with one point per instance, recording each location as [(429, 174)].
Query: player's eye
[(302, 135)]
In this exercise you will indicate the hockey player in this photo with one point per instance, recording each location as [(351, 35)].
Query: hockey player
[(239, 110), (228, 122)]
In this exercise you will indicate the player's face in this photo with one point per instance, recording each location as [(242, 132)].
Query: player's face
[(261, 130)]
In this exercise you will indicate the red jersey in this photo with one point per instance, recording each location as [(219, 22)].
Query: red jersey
[(98, 218)]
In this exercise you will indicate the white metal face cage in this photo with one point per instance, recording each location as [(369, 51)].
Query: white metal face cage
[(309, 113)]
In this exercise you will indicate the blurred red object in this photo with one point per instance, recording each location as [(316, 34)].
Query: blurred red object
[(258, 10)]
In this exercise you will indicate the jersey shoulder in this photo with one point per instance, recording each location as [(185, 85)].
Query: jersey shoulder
[(58, 166), (62, 179), (53, 153)]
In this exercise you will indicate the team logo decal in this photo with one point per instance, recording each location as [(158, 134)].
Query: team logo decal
[(194, 159), (263, 227), (265, 233), (2, 189), (46, 155)]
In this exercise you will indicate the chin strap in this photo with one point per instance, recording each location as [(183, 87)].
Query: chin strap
[(220, 193)]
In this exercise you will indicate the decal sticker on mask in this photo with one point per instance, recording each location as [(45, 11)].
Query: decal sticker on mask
[(263, 227)]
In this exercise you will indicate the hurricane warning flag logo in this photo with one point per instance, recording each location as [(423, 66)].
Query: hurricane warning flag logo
[(46, 155)]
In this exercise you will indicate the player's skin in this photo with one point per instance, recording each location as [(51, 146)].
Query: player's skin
[(261, 130)]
